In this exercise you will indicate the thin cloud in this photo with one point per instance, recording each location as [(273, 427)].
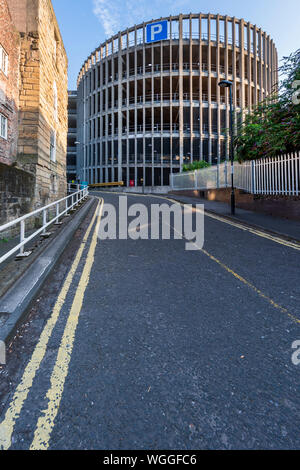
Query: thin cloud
[(116, 15)]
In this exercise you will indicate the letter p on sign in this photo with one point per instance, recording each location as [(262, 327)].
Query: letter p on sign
[(157, 31), (2, 353)]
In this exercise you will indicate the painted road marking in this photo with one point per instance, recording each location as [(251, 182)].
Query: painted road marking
[(45, 423), (252, 230), (245, 228), (229, 270), (22, 390), (251, 286), (247, 283)]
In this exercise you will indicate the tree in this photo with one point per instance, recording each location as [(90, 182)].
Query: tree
[(273, 127)]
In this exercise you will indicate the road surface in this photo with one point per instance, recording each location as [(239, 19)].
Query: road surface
[(137, 344)]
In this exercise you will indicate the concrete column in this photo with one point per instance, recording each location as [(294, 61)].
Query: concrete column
[(254, 103), (249, 65), (209, 88), (226, 52), (191, 87), (200, 88), (234, 74), (180, 93), (259, 66), (120, 72), (218, 88)]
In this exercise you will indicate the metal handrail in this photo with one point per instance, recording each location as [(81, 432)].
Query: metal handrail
[(75, 198), (174, 67)]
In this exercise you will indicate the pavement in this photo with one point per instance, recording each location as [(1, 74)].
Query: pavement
[(143, 345), (21, 280), (286, 227)]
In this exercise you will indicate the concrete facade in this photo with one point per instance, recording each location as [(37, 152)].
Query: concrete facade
[(144, 110), (72, 137), (37, 88)]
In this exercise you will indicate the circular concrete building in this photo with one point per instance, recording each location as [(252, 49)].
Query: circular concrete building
[(149, 100)]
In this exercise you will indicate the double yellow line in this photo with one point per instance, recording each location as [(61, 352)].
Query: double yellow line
[(46, 422)]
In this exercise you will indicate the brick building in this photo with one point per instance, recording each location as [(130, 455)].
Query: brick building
[(9, 92), (34, 90)]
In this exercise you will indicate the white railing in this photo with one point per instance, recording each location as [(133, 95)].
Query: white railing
[(270, 176), (58, 208), (75, 187)]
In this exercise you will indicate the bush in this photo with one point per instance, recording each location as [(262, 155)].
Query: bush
[(196, 166), (273, 127)]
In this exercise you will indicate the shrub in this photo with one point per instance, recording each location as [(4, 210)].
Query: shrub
[(273, 127), (196, 166)]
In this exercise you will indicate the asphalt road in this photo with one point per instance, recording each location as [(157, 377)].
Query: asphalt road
[(156, 347)]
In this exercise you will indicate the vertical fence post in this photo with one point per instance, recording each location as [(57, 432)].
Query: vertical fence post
[(22, 235), (44, 221), (297, 171), (293, 174), (218, 175), (57, 213), (253, 177), (195, 180)]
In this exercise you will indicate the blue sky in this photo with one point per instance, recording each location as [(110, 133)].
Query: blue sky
[(86, 23)]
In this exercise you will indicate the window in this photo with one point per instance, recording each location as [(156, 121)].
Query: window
[(3, 126), (53, 146), (54, 184), (3, 61)]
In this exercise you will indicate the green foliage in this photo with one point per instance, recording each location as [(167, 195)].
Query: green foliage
[(273, 127), (196, 166)]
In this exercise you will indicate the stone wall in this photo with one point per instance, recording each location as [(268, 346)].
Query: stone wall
[(43, 63), (16, 185), (16, 193)]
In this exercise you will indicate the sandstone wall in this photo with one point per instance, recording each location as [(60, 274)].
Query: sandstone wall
[(43, 62), (16, 193)]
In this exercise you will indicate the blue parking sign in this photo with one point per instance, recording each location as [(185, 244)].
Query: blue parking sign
[(157, 31)]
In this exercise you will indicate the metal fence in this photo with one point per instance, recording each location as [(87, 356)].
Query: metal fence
[(50, 214), (274, 176)]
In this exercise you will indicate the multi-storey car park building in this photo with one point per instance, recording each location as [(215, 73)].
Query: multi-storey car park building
[(72, 137), (149, 100)]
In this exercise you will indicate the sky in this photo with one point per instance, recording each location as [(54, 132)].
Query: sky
[(85, 24)]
